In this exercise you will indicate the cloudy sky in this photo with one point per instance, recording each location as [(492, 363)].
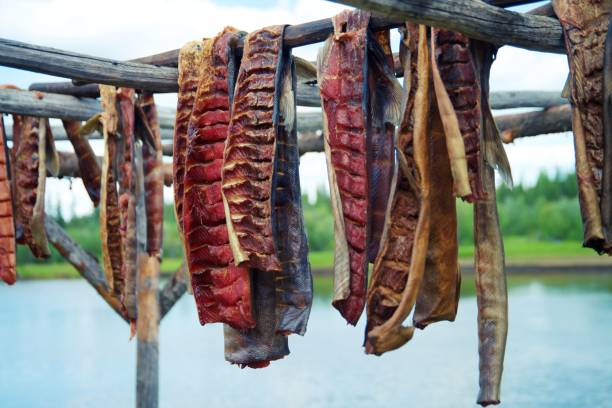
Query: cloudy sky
[(129, 29)]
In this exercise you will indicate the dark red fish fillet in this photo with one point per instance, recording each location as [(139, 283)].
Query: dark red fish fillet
[(342, 73), (190, 71), (221, 289), (8, 258), (30, 174), (252, 124)]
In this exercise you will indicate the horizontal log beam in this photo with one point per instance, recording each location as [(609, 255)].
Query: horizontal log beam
[(553, 120), (472, 17), (68, 64), (307, 90), (47, 105), (69, 167), (476, 19), (68, 107)]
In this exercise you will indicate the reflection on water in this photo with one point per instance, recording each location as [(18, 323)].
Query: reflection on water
[(62, 346)]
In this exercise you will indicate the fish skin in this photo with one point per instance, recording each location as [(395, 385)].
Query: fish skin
[(294, 287), (399, 268), (110, 214), (585, 24)]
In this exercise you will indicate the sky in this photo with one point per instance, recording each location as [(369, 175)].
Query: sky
[(129, 29)]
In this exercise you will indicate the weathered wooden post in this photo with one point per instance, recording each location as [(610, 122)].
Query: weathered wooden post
[(147, 323)]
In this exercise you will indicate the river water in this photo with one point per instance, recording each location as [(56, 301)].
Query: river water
[(61, 346)]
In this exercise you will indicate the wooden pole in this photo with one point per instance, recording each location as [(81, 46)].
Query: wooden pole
[(147, 322)]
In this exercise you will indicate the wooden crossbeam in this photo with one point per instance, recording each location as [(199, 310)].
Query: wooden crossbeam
[(476, 19), (472, 17), (555, 119), (69, 107)]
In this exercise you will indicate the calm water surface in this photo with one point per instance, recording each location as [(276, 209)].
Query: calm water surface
[(61, 346)]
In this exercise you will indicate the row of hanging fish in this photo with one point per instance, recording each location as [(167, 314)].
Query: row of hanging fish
[(126, 121), (131, 190), (397, 158), (23, 173), (446, 146)]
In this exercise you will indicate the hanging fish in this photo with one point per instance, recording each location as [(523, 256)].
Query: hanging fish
[(491, 286), (585, 24), (17, 136), (35, 156), (222, 290), (110, 218), (153, 175), (359, 96), (294, 282), (458, 96), (89, 168), (190, 70), (8, 259), (384, 105), (262, 199), (400, 264)]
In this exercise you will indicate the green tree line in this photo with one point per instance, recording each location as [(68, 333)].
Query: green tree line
[(546, 211)]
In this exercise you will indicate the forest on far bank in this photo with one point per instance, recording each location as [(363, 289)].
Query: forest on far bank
[(547, 211)]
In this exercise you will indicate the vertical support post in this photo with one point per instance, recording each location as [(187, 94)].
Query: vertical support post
[(147, 322)]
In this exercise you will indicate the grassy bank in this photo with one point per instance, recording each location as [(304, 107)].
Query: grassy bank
[(518, 249)]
